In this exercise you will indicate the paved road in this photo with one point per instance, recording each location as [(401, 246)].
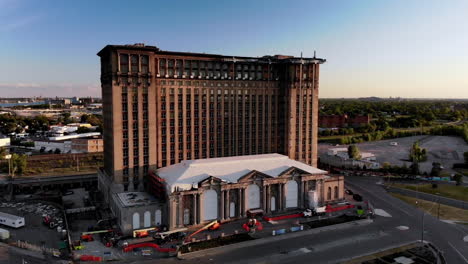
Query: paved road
[(447, 237), (335, 246)]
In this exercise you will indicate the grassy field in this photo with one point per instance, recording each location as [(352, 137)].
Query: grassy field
[(446, 212), (450, 191)]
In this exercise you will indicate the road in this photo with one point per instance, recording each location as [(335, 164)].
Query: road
[(334, 246)]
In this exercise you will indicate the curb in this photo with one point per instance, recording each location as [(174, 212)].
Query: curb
[(260, 241)]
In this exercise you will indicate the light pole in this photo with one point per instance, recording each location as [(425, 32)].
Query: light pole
[(8, 157), (422, 224)]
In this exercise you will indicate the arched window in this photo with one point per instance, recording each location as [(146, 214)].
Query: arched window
[(157, 217), (329, 194), (136, 220), (336, 192), (147, 219)]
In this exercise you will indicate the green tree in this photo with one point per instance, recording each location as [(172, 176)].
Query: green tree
[(18, 164), (82, 130), (417, 154), (414, 168), (436, 169), (353, 152), (458, 179)]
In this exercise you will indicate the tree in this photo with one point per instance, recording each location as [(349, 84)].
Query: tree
[(417, 154), (458, 179), (436, 169), (18, 164), (2, 153), (414, 168), (57, 151), (82, 130), (353, 152)]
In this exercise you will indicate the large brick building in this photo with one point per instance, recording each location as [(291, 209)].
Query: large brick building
[(162, 107)]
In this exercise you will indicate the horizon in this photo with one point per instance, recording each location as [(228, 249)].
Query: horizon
[(370, 51)]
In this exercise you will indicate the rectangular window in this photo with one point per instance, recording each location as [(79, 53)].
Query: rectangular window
[(123, 63), (134, 61), (144, 64)]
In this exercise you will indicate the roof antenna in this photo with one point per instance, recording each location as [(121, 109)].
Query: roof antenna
[(301, 54), (314, 54)]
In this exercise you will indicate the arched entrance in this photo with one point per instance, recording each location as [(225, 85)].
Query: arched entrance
[(136, 220), (157, 217), (291, 194), (253, 195), (210, 205), (273, 204)]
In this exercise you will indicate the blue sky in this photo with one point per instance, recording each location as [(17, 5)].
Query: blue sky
[(382, 48)]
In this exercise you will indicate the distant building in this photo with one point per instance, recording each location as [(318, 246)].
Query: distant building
[(339, 157), (87, 145), (343, 121), (77, 143), (4, 142)]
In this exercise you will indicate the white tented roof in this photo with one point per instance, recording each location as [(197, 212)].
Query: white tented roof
[(188, 173)]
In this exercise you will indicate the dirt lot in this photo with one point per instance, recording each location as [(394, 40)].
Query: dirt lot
[(446, 150)]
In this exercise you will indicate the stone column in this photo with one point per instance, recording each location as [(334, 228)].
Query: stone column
[(280, 197), (283, 198), (306, 194), (221, 206), (239, 202), (201, 207), (227, 213), (181, 211), (300, 190), (172, 213), (268, 198), (194, 209), (264, 198)]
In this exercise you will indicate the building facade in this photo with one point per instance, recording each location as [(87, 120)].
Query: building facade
[(198, 191), (163, 107)]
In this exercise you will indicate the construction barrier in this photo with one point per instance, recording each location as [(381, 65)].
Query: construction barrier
[(152, 245), (90, 258), (281, 217)]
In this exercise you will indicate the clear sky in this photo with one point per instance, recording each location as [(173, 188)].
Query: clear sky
[(416, 48)]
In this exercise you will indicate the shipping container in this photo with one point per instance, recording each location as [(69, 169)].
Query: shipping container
[(11, 220)]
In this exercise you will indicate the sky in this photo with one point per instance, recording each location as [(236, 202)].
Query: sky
[(382, 48)]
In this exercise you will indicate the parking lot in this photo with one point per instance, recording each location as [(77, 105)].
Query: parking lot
[(446, 150), (34, 231)]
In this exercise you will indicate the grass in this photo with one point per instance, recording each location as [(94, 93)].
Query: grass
[(445, 190), (446, 212)]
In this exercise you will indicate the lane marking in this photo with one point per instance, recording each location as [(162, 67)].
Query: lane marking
[(463, 257), (382, 212), (382, 200)]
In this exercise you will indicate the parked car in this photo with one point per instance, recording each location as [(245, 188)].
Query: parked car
[(349, 192), (357, 197)]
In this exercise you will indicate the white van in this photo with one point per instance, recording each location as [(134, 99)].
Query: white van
[(393, 143), (11, 220)]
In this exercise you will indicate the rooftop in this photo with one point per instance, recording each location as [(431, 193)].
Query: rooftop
[(188, 173), (129, 199), (266, 58)]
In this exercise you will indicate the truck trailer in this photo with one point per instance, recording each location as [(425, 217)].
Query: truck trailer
[(11, 220)]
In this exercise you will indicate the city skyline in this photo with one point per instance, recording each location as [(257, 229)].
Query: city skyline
[(398, 49)]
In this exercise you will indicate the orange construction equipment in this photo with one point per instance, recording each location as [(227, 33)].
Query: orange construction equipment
[(187, 239), (87, 238)]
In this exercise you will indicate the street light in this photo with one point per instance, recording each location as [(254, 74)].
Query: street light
[(8, 157), (422, 224)]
